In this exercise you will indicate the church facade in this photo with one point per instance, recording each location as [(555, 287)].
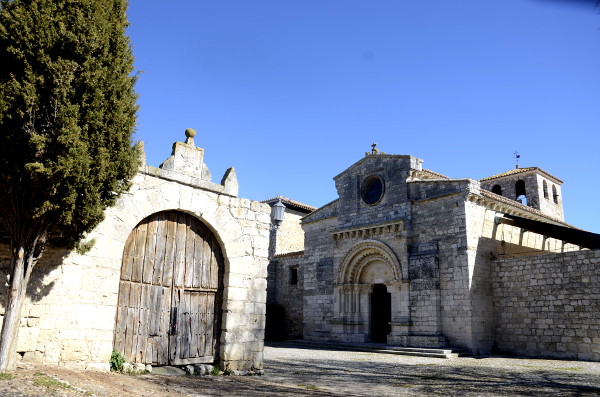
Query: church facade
[(409, 257)]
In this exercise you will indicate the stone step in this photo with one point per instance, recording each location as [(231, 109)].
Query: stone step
[(379, 348)]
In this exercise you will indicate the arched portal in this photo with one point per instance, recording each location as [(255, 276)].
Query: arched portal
[(371, 293), (170, 292)]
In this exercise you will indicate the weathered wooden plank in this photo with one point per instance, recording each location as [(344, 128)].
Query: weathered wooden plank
[(140, 248), (210, 325), (134, 299), (175, 317), (154, 317), (179, 262), (170, 247), (165, 317), (197, 260), (194, 325), (128, 257), (161, 242), (155, 347), (189, 253), (185, 327), (128, 352), (149, 353), (200, 329), (142, 338), (206, 255), (143, 323), (121, 320), (214, 264), (150, 249)]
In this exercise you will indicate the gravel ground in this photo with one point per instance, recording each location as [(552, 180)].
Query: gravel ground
[(292, 371), (367, 374)]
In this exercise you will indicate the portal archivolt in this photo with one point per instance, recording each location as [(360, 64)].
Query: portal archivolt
[(370, 291), (363, 255)]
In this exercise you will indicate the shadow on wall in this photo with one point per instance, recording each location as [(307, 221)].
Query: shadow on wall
[(39, 287)]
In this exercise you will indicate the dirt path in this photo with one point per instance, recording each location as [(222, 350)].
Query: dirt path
[(322, 372)]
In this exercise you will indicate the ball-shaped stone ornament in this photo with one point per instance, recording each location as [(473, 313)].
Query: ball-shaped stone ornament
[(190, 133)]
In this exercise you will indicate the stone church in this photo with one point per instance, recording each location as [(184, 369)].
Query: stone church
[(409, 257)]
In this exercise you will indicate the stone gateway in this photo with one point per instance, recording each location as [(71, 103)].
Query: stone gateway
[(410, 257), (176, 275)]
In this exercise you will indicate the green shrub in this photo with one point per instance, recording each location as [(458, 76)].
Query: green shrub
[(116, 361)]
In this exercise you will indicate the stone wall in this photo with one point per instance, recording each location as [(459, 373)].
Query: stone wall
[(548, 305), (288, 285), (488, 239), (317, 275), (69, 316), (438, 221), (290, 236)]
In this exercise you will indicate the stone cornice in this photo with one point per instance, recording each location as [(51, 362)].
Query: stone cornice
[(184, 179), (390, 227), (499, 203)]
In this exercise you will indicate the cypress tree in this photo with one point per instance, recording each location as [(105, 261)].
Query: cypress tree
[(67, 115)]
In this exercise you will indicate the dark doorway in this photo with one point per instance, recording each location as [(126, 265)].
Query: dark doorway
[(381, 313)]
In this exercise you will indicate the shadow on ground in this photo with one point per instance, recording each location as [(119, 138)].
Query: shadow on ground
[(363, 376)]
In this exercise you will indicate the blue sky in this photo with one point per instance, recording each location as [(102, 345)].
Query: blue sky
[(291, 93)]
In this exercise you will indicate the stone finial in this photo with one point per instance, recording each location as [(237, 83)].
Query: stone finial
[(190, 134), (374, 150), (187, 158), (230, 182)]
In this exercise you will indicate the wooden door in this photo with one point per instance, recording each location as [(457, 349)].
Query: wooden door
[(170, 292)]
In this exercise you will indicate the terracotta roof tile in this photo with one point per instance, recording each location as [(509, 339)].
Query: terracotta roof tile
[(435, 174), (290, 203), (506, 200), (294, 253), (519, 171)]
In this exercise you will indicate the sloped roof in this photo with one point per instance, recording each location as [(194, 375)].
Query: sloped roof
[(435, 174), (293, 204), (516, 171), (285, 254), (524, 208)]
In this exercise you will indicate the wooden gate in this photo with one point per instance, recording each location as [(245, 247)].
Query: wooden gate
[(170, 292)]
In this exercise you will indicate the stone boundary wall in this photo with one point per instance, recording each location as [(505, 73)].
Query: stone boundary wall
[(548, 305)]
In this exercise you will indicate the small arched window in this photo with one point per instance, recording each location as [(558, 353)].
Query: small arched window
[(520, 193), (497, 189), (545, 187), (554, 194)]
